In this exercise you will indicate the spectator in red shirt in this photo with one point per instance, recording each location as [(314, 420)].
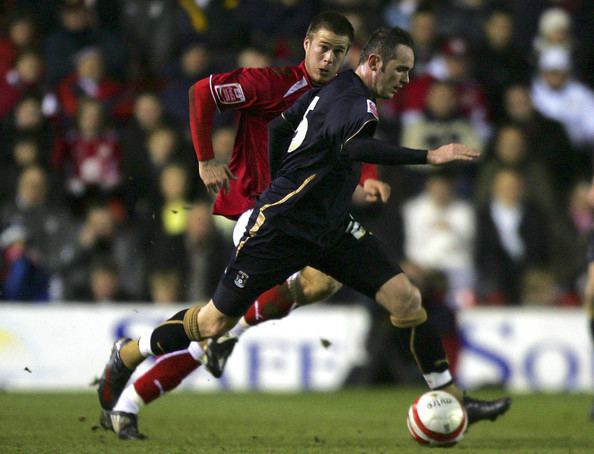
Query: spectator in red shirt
[(89, 80), (89, 156)]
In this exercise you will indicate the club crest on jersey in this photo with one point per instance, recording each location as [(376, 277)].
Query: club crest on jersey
[(372, 108), (230, 93), (241, 279)]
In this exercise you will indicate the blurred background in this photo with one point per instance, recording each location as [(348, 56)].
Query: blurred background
[(105, 226)]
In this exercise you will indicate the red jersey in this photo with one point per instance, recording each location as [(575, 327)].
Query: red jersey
[(259, 95)]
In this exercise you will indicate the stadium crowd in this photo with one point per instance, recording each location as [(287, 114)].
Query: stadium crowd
[(100, 198)]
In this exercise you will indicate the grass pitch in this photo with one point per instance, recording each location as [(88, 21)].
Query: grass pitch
[(354, 421)]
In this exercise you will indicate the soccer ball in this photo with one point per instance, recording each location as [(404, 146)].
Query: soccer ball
[(436, 418)]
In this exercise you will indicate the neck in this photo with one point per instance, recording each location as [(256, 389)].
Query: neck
[(366, 76)]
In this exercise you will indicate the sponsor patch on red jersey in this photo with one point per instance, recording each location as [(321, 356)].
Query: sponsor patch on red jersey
[(372, 108), (229, 93)]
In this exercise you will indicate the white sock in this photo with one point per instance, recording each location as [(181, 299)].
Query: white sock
[(130, 401), (240, 327), (195, 350), (144, 345)]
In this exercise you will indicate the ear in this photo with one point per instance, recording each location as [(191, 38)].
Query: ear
[(306, 43), (374, 61)]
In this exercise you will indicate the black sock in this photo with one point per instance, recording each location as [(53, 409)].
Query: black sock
[(425, 345), (170, 336)]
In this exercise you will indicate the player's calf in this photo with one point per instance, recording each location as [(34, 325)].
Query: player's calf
[(311, 286)]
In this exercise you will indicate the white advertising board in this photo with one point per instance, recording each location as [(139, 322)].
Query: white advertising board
[(66, 346), (527, 349)]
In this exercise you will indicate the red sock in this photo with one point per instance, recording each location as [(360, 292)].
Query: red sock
[(272, 304), (165, 375)]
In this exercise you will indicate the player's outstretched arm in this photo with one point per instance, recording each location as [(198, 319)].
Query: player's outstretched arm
[(375, 151), (451, 152)]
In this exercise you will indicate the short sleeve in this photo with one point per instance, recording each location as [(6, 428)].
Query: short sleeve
[(243, 88)]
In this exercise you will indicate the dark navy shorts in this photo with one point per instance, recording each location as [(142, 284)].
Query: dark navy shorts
[(355, 259)]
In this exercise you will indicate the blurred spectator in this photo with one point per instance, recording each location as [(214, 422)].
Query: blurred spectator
[(165, 287), (439, 229), (20, 36), (102, 238), (76, 32), (25, 152), (554, 30), (170, 218), (398, 13), (89, 81), (547, 137), (46, 225), (441, 122), (155, 29), (497, 62), (558, 96), (22, 277), (463, 18), (253, 57), (511, 240), (89, 157), (104, 284), (27, 118), (192, 65), (451, 65), (147, 116), (207, 253), (423, 29), (24, 77), (141, 187), (511, 149)]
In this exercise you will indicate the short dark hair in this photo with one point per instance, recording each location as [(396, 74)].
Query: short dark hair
[(332, 21), (384, 42)]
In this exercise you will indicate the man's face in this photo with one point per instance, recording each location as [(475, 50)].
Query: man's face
[(324, 53), (393, 75)]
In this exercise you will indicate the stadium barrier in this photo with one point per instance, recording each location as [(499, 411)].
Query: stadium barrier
[(65, 347)]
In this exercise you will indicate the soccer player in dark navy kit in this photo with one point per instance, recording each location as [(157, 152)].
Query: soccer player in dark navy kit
[(303, 218)]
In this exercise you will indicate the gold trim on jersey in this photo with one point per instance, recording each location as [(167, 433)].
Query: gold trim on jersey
[(358, 131), (262, 217)]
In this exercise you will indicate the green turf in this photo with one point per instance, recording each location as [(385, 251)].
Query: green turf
[(361, 421)]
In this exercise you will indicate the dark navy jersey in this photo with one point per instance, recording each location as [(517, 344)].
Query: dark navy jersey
[(311, 193)]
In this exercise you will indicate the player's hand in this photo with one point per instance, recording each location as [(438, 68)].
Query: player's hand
[(215, 175), (375, 190), (451, 152)]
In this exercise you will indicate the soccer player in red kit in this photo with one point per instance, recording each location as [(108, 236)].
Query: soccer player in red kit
[(259, 95)]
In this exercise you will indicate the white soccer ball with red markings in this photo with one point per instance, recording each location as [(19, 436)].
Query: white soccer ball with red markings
[(436, 418)]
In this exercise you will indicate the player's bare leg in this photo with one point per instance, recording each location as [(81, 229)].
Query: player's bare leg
[(403, 301), (305, 287), (302, 288)]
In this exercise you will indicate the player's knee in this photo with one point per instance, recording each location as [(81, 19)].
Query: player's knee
[(206, 322), (403, 301), (316, 286)]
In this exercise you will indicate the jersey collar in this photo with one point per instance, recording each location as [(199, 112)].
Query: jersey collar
[(305, 73)]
